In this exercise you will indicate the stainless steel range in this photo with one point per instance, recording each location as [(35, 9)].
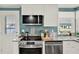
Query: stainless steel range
[(30, 47)]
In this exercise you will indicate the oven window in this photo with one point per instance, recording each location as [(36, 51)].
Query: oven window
[(30, 50)]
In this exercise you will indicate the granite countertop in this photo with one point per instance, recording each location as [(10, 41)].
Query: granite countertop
[(59, 38), (66, 38)]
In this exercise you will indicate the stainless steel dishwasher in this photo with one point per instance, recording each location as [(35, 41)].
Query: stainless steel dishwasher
[(53, 47)]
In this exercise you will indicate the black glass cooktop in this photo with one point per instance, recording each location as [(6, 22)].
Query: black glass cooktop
[(32, 38)]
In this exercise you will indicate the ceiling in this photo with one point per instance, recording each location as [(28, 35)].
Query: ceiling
[(59, 5)]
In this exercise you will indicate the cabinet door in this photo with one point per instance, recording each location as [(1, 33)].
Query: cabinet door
[(0, 45), (70, 47), (51, 15), (33, 9)]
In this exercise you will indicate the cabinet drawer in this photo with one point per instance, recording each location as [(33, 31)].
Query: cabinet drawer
[(69, 44)]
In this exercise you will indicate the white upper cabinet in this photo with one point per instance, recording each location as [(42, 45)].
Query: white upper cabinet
[(33, 9), (50, 12), (51, 15)]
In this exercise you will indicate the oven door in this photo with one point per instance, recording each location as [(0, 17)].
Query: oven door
[(30, 50), (30, 47)]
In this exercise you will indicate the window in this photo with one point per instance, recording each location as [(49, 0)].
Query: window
[(10, 24)]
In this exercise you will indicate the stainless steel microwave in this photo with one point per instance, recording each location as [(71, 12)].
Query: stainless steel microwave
[(32, 19)]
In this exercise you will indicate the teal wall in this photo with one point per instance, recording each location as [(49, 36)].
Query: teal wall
[(38, 29), (68, 9)]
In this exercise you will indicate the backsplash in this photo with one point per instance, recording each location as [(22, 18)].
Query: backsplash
[(36, 30)]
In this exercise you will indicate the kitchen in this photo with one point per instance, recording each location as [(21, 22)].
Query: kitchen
[(39, 29)]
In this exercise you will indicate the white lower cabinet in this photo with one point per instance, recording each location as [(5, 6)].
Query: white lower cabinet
[(0, 45), (9, 49), (15, 48), (7, 46), (70, 47)]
